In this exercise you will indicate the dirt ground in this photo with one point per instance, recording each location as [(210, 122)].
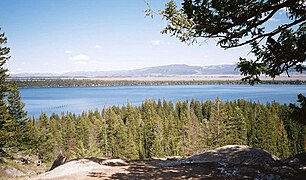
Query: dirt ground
[(143, 170), (152, 170), (228, 162)]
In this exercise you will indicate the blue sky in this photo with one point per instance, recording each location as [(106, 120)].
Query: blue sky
[(97, 35)]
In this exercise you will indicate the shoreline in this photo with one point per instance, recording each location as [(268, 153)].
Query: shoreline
[(55, 82), (164, 78)]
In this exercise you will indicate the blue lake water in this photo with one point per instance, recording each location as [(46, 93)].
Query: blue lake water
[(78, 99)]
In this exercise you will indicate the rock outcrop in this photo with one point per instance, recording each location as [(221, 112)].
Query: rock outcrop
[(60, 159), (298, 161), (235, 154), (81, 168), (228, 162), (238, 161), (115, 162)]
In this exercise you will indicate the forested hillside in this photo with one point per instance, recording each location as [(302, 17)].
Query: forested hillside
[(162, 128), (43, 82)]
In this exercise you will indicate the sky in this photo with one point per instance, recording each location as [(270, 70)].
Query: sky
[(57, 36)]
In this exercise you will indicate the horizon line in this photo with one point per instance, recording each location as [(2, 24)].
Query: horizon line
[(59, 73)]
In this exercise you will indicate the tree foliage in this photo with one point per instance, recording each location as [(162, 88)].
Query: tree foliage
[(235, 23), (14, 128), (4, 115), (163, 128)]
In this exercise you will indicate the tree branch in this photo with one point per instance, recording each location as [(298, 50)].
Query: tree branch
[(278, 30)]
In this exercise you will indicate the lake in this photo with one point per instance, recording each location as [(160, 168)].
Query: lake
[(78, 99)]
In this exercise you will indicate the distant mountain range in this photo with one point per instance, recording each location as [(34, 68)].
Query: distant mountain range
[(157, 71)]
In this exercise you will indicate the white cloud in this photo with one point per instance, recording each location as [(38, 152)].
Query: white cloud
[(80, 57), (82, 62), (68, 52), (156, 42), (97, 46)]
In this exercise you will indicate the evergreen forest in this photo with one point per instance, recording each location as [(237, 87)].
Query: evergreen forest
[(58, 82), (159, 129)]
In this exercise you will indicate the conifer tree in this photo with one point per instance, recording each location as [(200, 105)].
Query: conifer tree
[(18, 117), (173, 133), (183, 114), (196, 106), (148, 116), (234, 131), (171, 129), (44, 147), (69, 133), (195, 132), (15, 106), (214, 125), (159, 136), (110, 132), (56, 134), (206, 109), (5, 121), (133, 135), (86, 129)]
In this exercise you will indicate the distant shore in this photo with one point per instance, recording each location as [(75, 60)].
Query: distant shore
[(165, 78), (49, 82)]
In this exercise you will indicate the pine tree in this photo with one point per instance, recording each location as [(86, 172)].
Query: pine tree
[(15, 106), (18, 117), (5, 120), (195, 132), (44, 147), (206, 109), (214, 126), (196, 106), (111, 133), (173, 133), (69, 133), (133, 136), (159, 136), (183, 122), (235, 130), (55, 128), (87, 132), (14, 129), (148, 116)]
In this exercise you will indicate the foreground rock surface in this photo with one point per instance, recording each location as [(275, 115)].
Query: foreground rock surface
[(86, 168), (228, 162), (234, 154)]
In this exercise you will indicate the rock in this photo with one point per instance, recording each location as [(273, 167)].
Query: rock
[(22, 161), (248, 171), (69, 168), (227, 171), (298, 161), (172, 158), (115, 162), (235, 154), (61, 159), (80, 169), (13, 172)]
